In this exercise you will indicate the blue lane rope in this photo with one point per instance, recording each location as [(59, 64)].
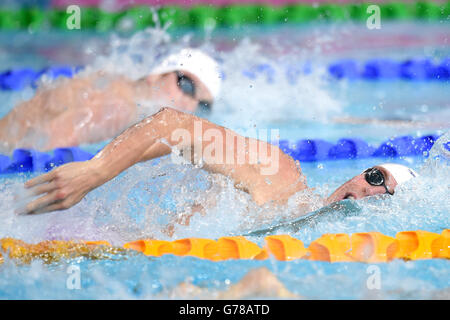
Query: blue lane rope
[(373, 69), (26, 160), (421, 69), (348, 148), (18, 79)]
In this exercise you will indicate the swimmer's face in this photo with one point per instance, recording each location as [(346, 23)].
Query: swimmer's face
[(181, 90), (358, 187)]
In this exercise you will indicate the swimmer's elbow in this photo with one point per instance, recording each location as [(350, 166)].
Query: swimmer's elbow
[(168, 111), (174, 119), (170, 115), (165, 110)]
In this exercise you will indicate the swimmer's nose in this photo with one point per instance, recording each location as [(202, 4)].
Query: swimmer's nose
[(361, 188), (356, 188)]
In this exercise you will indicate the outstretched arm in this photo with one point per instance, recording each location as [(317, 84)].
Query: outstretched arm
[(155, 137)]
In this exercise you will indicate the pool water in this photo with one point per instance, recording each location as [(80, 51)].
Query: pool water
[(142, 201)]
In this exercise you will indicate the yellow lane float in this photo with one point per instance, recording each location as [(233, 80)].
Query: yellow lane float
[(415, 245), (285, 248), (369, 247), (441, 246), (331, 248), (195, 247), (372, 247), (147, 247), (234, 248)]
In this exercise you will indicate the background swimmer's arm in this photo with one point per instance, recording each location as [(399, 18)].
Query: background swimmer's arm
[(154, 137)]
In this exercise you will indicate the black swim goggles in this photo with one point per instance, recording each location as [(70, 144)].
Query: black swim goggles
[(376, 178), (187, 86)]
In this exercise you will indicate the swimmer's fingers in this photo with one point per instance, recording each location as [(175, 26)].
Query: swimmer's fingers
[(53, 207), (42, 188), (42, 202), (40, 179)]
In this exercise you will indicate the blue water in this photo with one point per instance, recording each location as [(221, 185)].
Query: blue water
[(141, 201), (141, 277)]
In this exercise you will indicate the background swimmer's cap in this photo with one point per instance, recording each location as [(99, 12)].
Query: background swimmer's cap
[(195, 62), (400, 172)]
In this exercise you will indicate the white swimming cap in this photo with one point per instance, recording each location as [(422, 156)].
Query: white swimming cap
[(400, 172), (195, 62)]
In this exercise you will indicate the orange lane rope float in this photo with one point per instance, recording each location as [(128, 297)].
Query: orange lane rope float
[(417, 244), (331, 248), (369, 247), (285, 247), (372, 247)]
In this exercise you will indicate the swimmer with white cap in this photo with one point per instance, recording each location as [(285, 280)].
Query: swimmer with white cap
[(379, 179), (272, 180), (197, 76), (90, 108)]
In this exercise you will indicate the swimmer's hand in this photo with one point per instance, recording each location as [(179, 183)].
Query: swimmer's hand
[(63, 187)]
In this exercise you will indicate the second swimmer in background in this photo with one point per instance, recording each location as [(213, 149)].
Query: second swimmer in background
[(96, 107)]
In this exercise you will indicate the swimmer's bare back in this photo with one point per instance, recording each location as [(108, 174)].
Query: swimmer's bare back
[(70, 112)]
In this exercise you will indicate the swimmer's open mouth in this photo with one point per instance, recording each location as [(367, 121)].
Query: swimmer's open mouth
[(349, 195)]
